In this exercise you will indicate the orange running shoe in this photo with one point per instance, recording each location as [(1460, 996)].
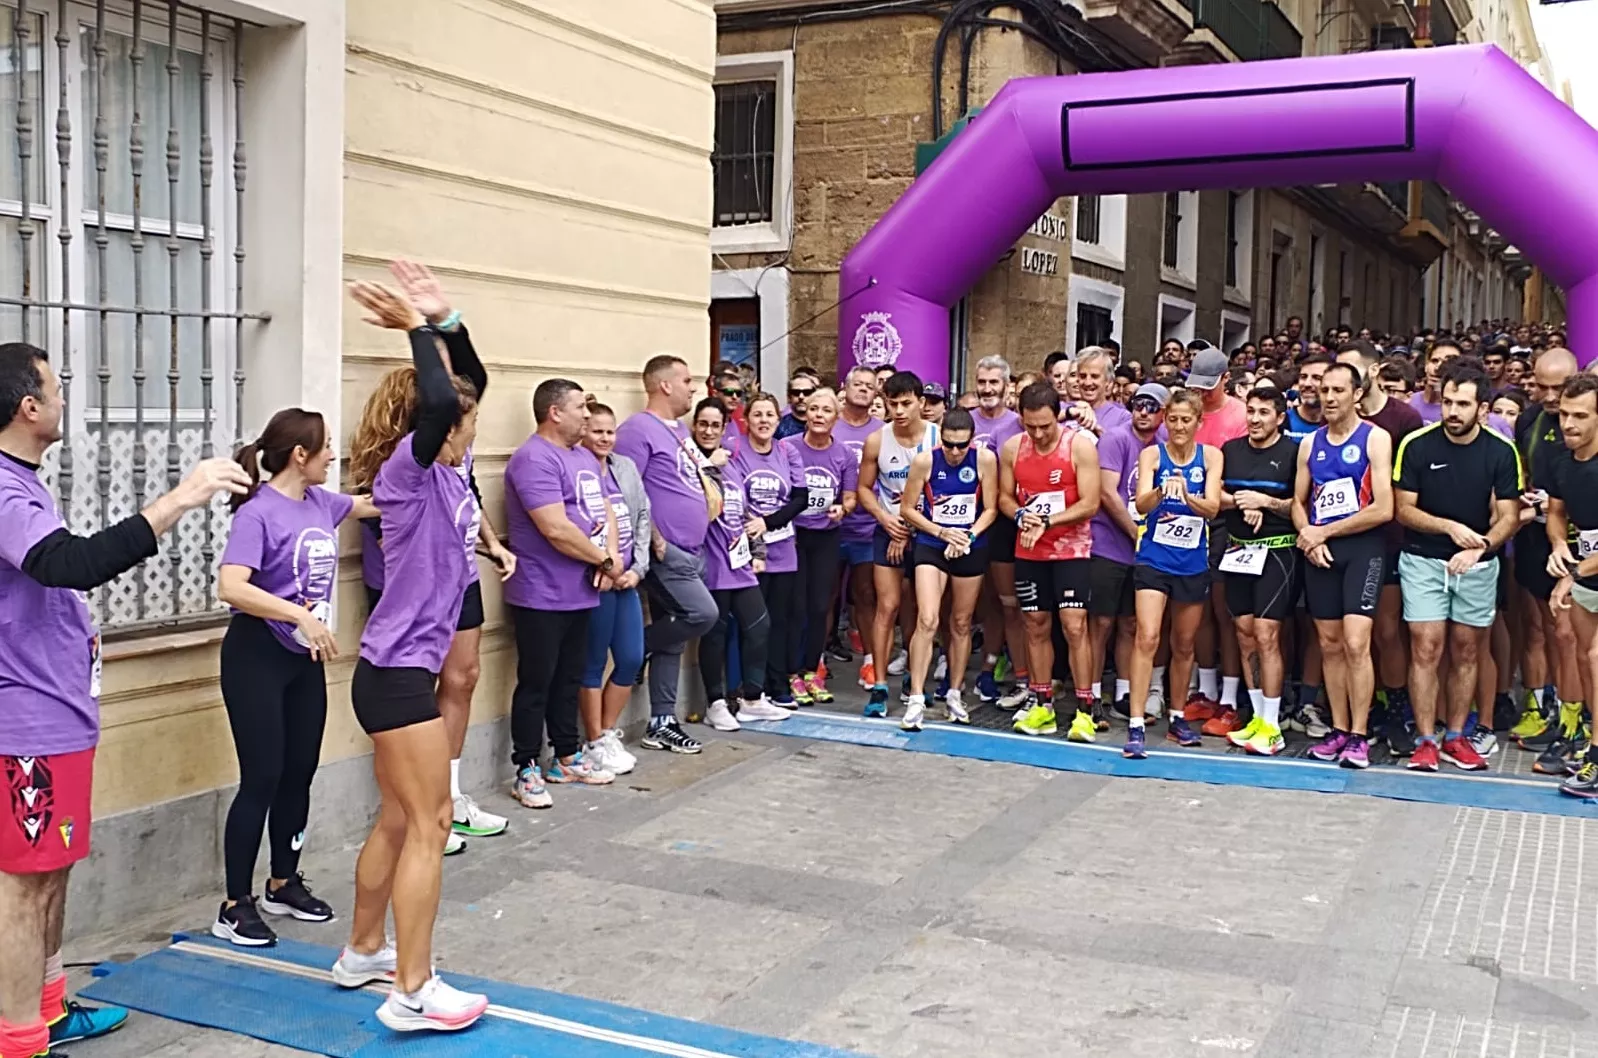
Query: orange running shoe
[(855, 642), (1222, 724), (868, 675), (1199, 708)]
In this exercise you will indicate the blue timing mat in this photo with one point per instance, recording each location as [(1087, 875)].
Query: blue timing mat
[(1507, 793), (283, 995)]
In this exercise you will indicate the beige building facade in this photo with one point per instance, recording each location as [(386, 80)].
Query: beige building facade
[(548, 158)]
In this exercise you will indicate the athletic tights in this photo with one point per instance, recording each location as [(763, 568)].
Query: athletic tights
[(819, 563), (748, 608)]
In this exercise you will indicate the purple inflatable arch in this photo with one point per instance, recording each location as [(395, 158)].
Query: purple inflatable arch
[(1464, 116)]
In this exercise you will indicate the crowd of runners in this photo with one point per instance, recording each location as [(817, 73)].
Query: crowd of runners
[(1363, 539)]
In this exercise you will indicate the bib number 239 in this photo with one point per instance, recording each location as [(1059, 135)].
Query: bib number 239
[(1338, 498)]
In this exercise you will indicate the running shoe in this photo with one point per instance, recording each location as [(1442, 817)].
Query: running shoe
[(877, 704), (1312, 721), (1330, 747), (784, 700), (1266, 742), (79, 1022), (1183, 733), (1016, 698), (1426, 756), (294, 898), (241, 924), (1002, 667), (610, 754), (1083, 728), (1584, 783), (578, 771), (1483, 741), (1241, 736), (1121, 708), (1531, 723), (1037, 720), (720, 717), (529, 789), (838, 651), (1397, 734), (354, 970), (1356, 753), (801, 691), (868, 675), (434, 1007), (904, 690), (1101, 715), (473, 822), (1557, 759), (900, 662), (454, 845), (818, 689), (954, 706), (856, 643), (668, 734), (1222, 724), (987, 688), (1504, 716), (915, 711), (940, 671), (1135, 748), (1461, 754), (1154, 704), (1199, 708), (763, 708)]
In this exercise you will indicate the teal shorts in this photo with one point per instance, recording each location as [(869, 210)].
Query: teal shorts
[(1431, 593)]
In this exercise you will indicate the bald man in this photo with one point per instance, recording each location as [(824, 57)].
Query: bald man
[(1550, 656)]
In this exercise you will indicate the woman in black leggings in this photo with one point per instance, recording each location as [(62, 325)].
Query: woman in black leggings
[(832, 472), (278, 574)]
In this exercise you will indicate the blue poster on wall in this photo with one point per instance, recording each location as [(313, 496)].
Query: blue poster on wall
[(739, 343)]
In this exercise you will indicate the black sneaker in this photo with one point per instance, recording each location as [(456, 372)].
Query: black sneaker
[(1122, 709), (1551, 736), (1505, 715), (669, 735), (1558, 759), (1101, 715), (294, 898), (241, 924), (838, 651), (1584, 783), (1399, 738)]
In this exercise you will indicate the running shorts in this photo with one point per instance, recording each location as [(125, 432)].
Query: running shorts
[(1112, 589), (1431, 593), (1271, 595), (1531, 561), (1192, 588), (1352, 587), (855, 552), (1220, 540), (1062, 585), (386, 699), (972, 564), (471, 605), (45, 823), (1001, 540), (879, 551)]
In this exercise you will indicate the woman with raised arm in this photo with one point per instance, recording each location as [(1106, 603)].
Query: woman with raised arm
[(429, 529)]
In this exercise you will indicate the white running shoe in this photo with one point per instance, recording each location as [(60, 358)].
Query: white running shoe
[(762, 709), (435, 1007), (610, 756), (1015, 698), (617, 746), (473, 822), (720, 717), (955, 706), (941, 669), (454, 845), (1154, 704), (914, 713), (897, 665), (354, 970)]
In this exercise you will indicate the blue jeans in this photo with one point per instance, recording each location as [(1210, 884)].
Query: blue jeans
[(615, 629)]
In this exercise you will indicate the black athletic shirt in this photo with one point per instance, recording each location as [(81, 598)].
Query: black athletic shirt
[(1576, 483), (1537, 433), (1270, 470), (1455, 481)]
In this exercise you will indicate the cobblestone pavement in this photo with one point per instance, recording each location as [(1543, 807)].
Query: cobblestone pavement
[(904, 904)]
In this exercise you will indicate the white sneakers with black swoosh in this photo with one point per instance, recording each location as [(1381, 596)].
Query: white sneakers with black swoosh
[(435, 1007)]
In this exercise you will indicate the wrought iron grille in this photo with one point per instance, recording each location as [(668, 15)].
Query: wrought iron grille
[(743, 160), (1170, 254), (1089, 213), (1095, 325), (125, 260)]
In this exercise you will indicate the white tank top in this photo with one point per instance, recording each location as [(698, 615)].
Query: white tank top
[(893, 462)]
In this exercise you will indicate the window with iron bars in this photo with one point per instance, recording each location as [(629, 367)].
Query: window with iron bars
[(1173, 228), (1087, 218), (743, 160), (1232, 198), (124, 259), (1095, 325)]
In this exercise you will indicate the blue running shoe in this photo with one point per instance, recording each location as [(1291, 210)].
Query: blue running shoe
[(85, 1023), (987, 688), (1183, 733), (1134, 748), (877, 705)]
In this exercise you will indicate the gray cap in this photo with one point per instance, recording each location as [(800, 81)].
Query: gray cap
[(1209, 367), (1155, 390)]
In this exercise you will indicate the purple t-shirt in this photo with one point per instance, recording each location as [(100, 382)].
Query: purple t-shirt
[(50, 658), (291, 548), (829, 473), (668, 462), (429, 543), (541, 473), (859, 526), (768, 481), (1119, 450), (372, 546), (728, 562), (1432, 412), (1111, 416), (992, 433)]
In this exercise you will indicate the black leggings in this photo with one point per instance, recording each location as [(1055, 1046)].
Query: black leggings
[(276, 702), (819, 562), (781, 591), (748, 608)]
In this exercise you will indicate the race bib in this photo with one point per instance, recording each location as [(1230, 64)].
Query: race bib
[(1337, 499), (1586, 542), (777, 536), (94, 666), (322, 610), (1185, 531), (1045, 504), (819, 499), (1246, 560), (955, 510), (738, 557), (598, 536)]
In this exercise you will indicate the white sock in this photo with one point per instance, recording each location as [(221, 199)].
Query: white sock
[(1255, 697), (1098, 691), (1209, 683), (1229, 686), (455, 779), (1537, 693), (1157, 679), (1136, 721), (1272, 711), (1123, 689), (917, 699)]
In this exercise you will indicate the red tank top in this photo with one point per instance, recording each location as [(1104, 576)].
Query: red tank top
[(1048, 482)]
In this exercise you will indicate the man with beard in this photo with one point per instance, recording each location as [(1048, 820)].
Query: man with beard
[(1573, 511), (1001, 615), (1306, 418)]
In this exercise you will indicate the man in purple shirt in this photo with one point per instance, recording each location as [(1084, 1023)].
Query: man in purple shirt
[(1001, 614), (50, 684), (564, 537), (682, 502), (1095, 368), (855, 424)]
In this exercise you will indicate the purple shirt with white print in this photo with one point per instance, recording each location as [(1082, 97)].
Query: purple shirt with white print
[(768, 481), (291, 548), (539, 474), (729, 562), (829, 473), (859, 526), (668, 463)]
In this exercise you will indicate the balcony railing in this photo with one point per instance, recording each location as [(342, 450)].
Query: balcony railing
[(1434, 206), (1282, 41), (1252, 29), (1397, 192)]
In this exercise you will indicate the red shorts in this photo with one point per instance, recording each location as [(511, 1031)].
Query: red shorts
[(44, 823)]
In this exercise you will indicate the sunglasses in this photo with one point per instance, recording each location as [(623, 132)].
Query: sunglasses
[(1145, 404), (800, 393), (732, 393), (956, 446)]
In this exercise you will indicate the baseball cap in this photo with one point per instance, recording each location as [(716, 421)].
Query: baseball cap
[(1209, 367), (1155, 390), (934, 391)]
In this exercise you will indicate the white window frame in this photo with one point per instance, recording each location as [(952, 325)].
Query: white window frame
[(1184, 312), (1110, 250), (1085, 291), (1240, 323), (768, 236), (770, 287), (1185, 274), (1242, 292)]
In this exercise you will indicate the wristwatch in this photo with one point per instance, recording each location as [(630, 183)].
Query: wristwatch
[(607, 565)]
